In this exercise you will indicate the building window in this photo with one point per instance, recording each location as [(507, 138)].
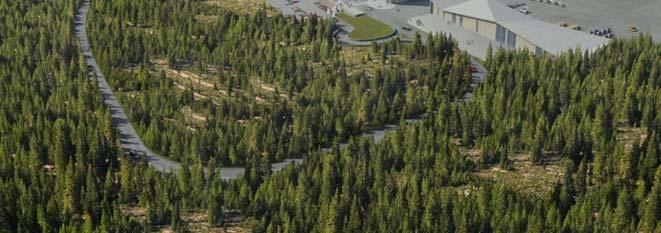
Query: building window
[(538, 51), (454, 18), (461, 20), (500, 34), (511, 39), (432, 8), (477, 28)]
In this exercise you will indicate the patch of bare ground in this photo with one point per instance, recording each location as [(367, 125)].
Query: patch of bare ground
[(359, 59), (190, 114), (194, 221), (185, 75), (629, 136), (240, 6), (204, 85), (524, 175), (265, 91), (206, 18)]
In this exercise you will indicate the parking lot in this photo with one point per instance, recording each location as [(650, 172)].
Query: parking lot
[(619, 15), (302, 6), (400, 14)]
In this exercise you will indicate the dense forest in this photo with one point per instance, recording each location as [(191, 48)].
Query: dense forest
[(62, 170), (58, 152), (324, 99), (574, 107)]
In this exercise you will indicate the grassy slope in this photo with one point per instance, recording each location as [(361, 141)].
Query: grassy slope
[(366, 28)]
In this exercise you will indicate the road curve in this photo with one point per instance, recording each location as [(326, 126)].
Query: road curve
[(130, 141)]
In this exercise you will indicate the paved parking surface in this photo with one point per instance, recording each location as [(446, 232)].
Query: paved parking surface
[(618, 15), (399, 15), (306, 6)]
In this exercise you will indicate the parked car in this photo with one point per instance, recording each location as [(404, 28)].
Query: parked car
[(407, 28), (633, 29)]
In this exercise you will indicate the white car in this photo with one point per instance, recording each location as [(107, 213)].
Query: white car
[(524, 10)]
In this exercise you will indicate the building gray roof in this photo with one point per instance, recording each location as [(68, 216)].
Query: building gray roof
[(549, 37)]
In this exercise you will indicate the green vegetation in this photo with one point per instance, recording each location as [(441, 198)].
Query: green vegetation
[(592, 118), (366, 28), (567, 107), (252, 89), (58, 152)]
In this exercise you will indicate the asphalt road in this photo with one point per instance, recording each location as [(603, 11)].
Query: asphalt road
[(130, 140), (399, 15)]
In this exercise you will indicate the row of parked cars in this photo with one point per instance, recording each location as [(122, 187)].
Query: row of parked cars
[(606, 32), (552, 2)]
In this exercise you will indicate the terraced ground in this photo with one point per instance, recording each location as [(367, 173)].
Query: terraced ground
[(202, 81)]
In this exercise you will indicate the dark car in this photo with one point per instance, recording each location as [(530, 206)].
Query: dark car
[(90, 70)]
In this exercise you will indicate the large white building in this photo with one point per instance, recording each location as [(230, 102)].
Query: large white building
[(511, 28)]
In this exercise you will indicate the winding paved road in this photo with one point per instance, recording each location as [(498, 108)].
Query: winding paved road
[(130, 140)]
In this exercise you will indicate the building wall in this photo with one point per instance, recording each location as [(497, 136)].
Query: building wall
[(522, 43), (469, 24), (442, 4), (486, 29), (482, 27)]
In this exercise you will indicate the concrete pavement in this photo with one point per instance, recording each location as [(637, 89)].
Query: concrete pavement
[(618, 15)]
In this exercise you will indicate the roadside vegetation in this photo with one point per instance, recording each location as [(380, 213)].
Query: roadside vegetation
[(366, 28), (249, 89), (565, 143), (237, 6)]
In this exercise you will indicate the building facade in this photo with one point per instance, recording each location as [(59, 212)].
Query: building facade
[(512, 29)]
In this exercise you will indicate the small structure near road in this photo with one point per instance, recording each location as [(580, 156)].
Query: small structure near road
[(336, 7), (329, 6)]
